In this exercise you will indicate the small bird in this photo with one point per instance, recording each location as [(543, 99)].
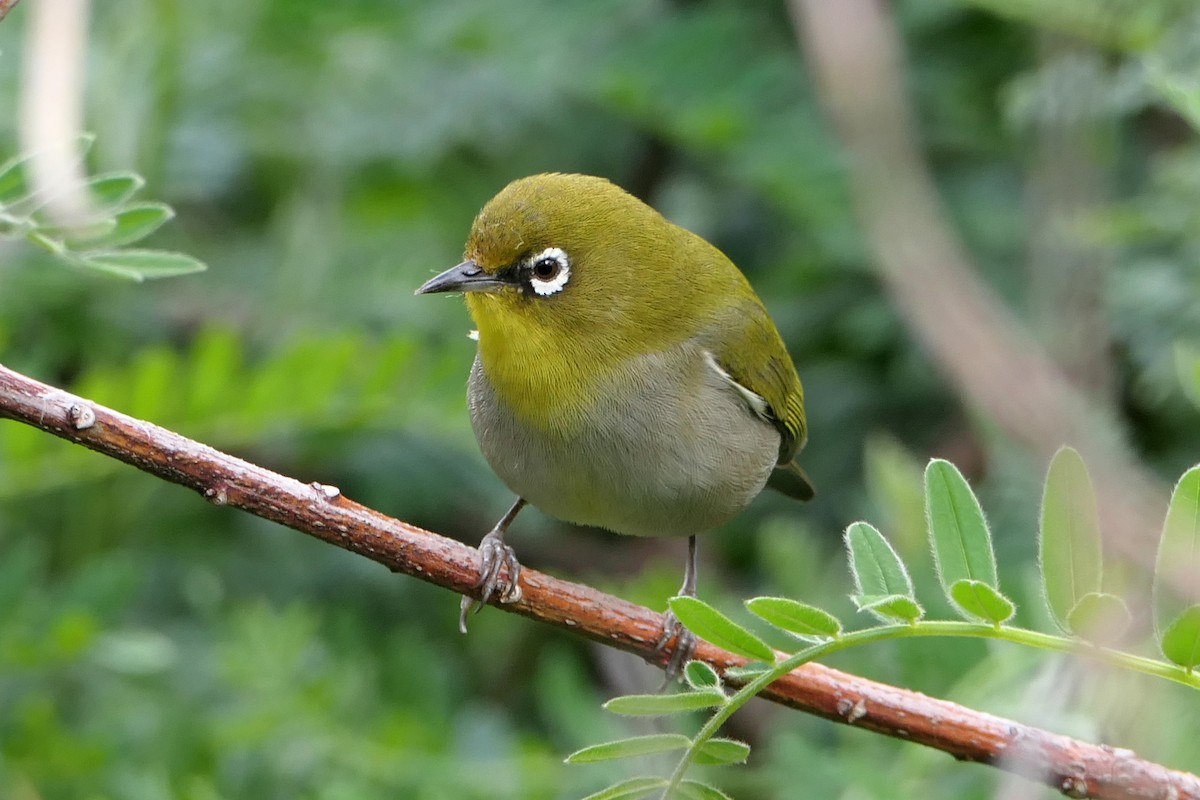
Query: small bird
[(627, 375)]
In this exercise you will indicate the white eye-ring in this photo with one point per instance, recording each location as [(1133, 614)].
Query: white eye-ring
[(549, 271)]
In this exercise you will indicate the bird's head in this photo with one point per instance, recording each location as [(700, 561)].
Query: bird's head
[(558, 256)]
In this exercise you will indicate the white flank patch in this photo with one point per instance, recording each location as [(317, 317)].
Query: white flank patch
[(473, 336), (555, 284), (757, 404)]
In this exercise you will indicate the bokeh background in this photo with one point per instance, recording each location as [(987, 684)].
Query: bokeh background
[(977, 225)]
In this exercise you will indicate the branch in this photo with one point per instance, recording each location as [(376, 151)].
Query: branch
[(1075, 768), (5, 7)]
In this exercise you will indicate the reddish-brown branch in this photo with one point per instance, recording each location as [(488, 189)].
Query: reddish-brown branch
[(1076, 768), (6, 6)]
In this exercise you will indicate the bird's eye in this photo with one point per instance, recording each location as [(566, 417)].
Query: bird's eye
[(549, 271), (546, 268)]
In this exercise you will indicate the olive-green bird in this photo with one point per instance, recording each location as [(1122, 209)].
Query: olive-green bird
[(627, 376)]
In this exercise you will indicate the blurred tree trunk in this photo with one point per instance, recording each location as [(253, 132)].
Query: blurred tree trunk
[(996, 365), (1068, 182)]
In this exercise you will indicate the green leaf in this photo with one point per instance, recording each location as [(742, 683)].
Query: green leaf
[(114, 188), (747, 672), (630, 789), (657, 705), (140, 265), (874, 564), (630, 748), (132, 223), (1177, 568), (890, 607), (93, 229), (722, 751), (962, 544), (979, 599), (805, 621), (14, 185), (1069, 540), (701, 675), (713, 626), (1181, 640), (695, 790), (1099, 617)]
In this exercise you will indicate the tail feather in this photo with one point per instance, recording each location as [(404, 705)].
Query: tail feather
[(790, 479)]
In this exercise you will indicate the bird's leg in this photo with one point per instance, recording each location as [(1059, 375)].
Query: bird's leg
[(494, 556), (685, 640)]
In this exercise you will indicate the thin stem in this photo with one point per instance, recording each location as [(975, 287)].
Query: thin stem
[(925, 628)]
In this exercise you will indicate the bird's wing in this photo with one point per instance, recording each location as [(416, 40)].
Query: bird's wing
[(747, 349)]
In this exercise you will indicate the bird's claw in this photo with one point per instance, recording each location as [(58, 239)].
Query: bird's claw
[(495, 559), (681, 653)]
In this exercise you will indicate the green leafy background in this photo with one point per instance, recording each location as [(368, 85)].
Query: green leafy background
[(324, 159)]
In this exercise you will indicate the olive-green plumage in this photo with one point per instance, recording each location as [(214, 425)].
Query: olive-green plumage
[(627, 375), (638, 284)]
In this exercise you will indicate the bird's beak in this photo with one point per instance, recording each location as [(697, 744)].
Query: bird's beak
[(466, 277)]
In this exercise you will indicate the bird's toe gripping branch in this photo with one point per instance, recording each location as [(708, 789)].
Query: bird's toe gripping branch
[(500, 576), (681, 653)]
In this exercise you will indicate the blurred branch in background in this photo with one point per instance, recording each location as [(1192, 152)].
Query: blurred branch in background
[(1073, 767), (51, 106), (6, 6), (1068, 277), (995, 363)]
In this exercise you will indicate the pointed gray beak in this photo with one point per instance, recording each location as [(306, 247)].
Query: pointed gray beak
[(466, 277)]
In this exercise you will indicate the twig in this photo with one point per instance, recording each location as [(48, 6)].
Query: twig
[(6, 6), (1076, 768)]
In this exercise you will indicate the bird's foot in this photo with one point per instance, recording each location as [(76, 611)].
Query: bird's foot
[(681, 653), (495, 560)]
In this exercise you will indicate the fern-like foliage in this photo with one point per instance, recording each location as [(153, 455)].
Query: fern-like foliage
[(1088, 618), (98, 242)]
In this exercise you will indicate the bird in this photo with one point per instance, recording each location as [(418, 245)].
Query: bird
[(626, 376)]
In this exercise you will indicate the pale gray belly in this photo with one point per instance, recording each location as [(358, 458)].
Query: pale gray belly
[(648, 462)]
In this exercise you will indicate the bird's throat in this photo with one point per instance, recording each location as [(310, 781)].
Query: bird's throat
[(548, 382)]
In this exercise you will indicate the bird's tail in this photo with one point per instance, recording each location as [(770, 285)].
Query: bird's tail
[(791, 479)]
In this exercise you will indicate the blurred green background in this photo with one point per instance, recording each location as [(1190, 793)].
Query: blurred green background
[(326, 158)]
